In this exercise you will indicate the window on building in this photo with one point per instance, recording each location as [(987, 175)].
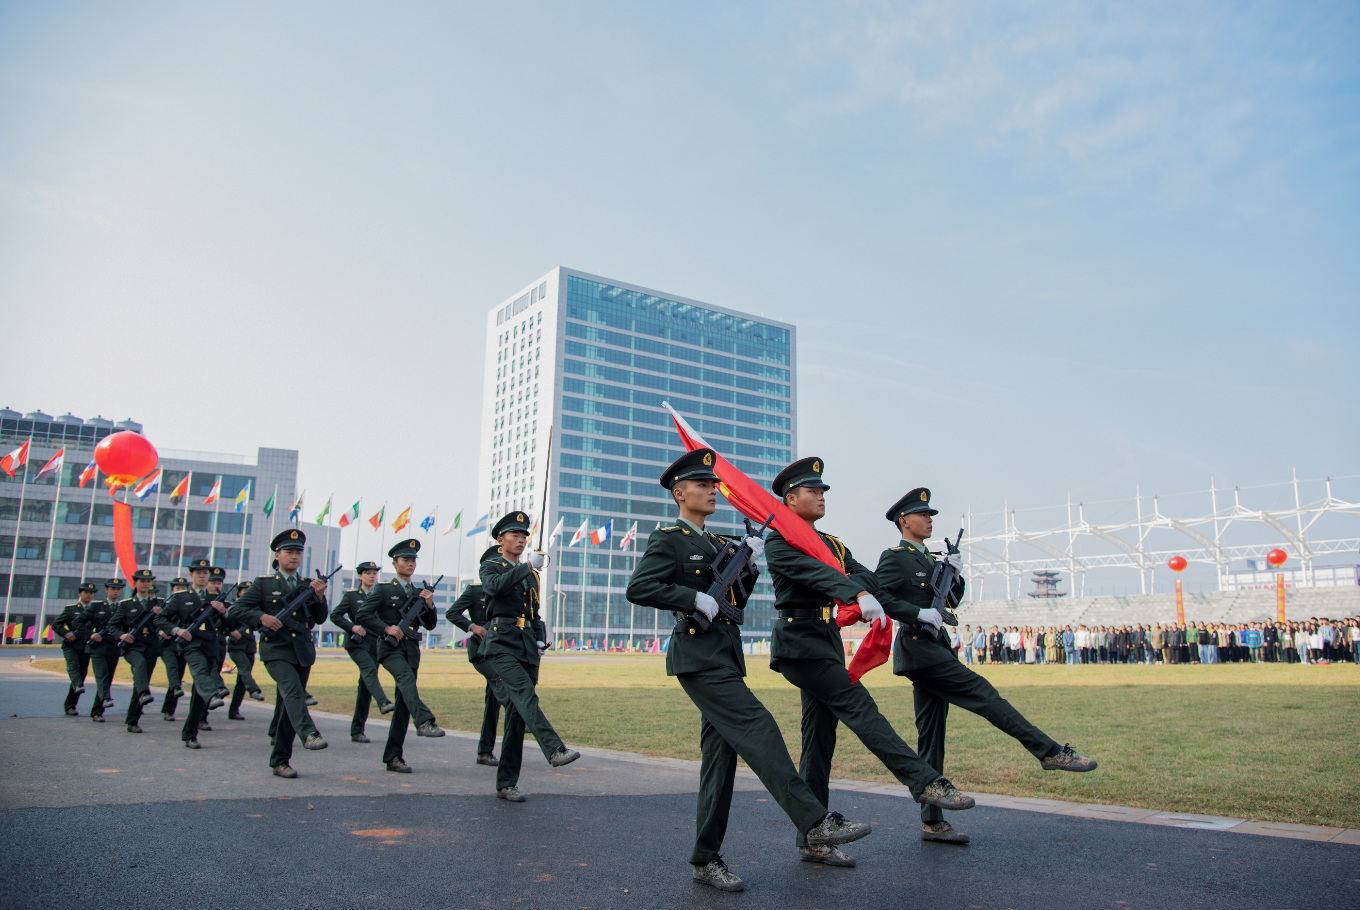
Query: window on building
[(29, 547)]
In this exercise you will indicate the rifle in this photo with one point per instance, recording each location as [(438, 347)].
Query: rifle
[(727, 568), (209, 615), (410, 610), (144, 616), (942, 584), (296, 601)]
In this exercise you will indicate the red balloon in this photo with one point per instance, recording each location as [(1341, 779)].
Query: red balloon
[(125, 457), (1276, 557), (1177, 563)]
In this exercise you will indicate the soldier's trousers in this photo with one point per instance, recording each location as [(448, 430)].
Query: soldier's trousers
[(491, 713), (370, 687), (404, 665), (203, 667), (143, 664), (173, 661), (245, 679), (830, 697), (515, 688), (77, 667), (736, 725), (938, 686), (291, 717), (104, 668)]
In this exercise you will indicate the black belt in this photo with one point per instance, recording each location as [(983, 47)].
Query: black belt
[(823, 613), (517, 621)]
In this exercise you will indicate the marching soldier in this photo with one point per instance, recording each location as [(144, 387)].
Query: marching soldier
[(379, 615), (468, 613), (363, 650), (938, 679), (241, 649), (198, 644), (101, 643), (217, 577), (135, 622), (806, 649), (288, 654), (514, 644), (172, 661), (73, 647), (672, 575)]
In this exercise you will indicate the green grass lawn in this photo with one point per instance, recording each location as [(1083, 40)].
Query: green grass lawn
[(1270, 742)]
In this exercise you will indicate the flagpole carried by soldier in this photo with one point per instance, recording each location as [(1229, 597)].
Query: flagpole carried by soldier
[(135, 623), (241, 649), (172, 660), (101, 643), (514, 644), (362, 649), (288, 654), (674, 575), (806, 648), (198, 644), (380, 615), (468, 613), (922, 654), (67, 627)]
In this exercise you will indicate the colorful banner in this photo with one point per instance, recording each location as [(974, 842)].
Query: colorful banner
[(1279, 597), (122, 539), (1180, 603)]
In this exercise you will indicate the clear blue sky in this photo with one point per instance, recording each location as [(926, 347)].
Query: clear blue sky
[(1031, 249)]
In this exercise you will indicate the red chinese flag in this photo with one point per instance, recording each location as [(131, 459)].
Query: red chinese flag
[(757, 503)]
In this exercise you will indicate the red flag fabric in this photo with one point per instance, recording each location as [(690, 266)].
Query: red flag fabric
[(16, 459), (89, 474), (756, 503), (122, 539), (180, 492)]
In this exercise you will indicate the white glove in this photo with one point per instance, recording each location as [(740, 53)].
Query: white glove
[(542, 647), (705, 605), (535, 559), (956, 561), (870, 608), (930, 617), (757, 545)]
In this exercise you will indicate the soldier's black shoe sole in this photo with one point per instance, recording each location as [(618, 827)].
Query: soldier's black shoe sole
[(387, 707), (192, 744), (284, 771), (488, 759)]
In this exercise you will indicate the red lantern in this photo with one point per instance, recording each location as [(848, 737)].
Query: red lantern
[(1276, 557), (125, 457), (1177, 563)]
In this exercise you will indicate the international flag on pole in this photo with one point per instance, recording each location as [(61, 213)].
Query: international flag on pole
[(579, 536), (403, 520), (428, 521), (89, 474), (177, 495), (377, 520), (53, 466), (480, 526), (351, 516), (629, 537), (295, 512), (243, 497), (16, 459), (268, 508), (320, 519), (216, 492), (603, 533), (147, 486), (457, 521), (557, 532)]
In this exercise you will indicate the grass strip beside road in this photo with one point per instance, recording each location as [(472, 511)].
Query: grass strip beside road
[(1269, 742)]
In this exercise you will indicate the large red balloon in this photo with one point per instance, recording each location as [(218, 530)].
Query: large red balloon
[(1276, 557), (125, 457), (1177, 563)]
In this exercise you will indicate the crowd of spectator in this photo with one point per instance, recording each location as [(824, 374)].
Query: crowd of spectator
[(1316, 641)]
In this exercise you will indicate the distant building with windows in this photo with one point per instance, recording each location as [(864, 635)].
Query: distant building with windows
[(593, 358), (79, 524)]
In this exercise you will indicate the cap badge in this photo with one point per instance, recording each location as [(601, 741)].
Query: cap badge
[(293, 535), (817, 466), (519, 516), (924, 496), (412, 544), (708, 459)]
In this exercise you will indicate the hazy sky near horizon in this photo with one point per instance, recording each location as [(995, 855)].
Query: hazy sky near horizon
[(1031, 249)]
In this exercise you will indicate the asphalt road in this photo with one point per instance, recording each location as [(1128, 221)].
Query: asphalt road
[(90, 813)]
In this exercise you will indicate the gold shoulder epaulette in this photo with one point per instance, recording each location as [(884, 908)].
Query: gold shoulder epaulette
[(895, 549), (670, 528)]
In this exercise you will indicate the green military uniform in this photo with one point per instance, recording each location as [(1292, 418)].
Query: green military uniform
[(806, 648), (200, 653), (467, 611), (137, 617), (288, 655), (938, 678), (363, 650), (383, 608), (242, 652), (710, 668), (513, 633), (73, 649), (97, 619), (172, 660)]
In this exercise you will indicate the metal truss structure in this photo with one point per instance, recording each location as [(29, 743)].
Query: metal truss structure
[(1078, 546)]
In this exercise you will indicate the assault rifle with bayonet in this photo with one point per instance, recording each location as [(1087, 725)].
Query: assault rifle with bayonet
[(209, 616), (143, 617), (728, 569), (410, 613), (301, 597), (942, 586)]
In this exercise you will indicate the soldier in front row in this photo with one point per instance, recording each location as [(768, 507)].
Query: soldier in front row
[(362, 648), (398, 654), (514, 644), (135, 623), (938, 679), (191, 618), (673, 575), (66, 627), (288, 654), (241, 650), (101, 643), (468, 613), (172, 659)]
